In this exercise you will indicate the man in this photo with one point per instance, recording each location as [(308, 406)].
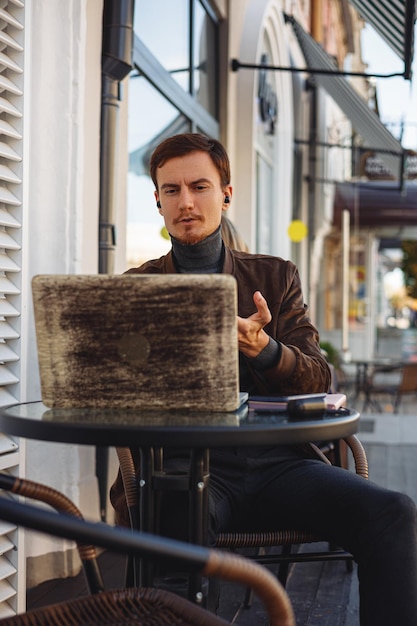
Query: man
[(192, 190), (278, 486)]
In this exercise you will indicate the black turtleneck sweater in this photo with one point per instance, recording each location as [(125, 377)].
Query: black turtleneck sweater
[(206, 257)]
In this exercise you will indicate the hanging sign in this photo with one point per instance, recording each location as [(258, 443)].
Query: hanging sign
[(268, 102)]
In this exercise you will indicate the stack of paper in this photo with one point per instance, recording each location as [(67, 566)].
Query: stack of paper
[(332, 401)]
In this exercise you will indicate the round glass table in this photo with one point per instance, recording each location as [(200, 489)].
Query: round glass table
[(151, 432)]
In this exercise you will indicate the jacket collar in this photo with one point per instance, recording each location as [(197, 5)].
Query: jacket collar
[(169, 267)]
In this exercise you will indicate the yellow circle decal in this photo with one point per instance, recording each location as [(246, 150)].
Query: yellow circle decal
[(164, 233), (297, 230)]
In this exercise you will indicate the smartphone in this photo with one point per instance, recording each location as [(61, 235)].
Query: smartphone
[(306, 407)]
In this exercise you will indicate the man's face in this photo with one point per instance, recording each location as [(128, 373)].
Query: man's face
[(191, 196)]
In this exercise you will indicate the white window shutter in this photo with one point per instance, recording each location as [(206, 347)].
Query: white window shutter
[(12, 584)]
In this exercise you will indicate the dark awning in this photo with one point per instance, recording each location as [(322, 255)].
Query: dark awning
[(376, 204), (394, 22), (365, 121)]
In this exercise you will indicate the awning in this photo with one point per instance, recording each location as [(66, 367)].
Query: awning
[(394, 22), (376, 204), (365, 121)]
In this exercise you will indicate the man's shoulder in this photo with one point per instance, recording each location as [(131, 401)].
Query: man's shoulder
[(250, 258)]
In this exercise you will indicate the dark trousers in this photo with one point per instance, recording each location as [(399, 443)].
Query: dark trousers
[(266, 491)]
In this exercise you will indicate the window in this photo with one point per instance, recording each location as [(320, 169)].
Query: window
[(173, 89)]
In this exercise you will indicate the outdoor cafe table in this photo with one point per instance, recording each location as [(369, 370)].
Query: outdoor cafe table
[(153, 431), (363, 366)]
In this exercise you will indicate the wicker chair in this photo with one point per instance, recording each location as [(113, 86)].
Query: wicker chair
[(406, 385), (60, 502), (142, 606), (287, 538)]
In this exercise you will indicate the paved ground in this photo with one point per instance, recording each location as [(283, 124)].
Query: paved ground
[(323, 594)]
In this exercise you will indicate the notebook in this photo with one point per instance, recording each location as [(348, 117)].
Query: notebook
[(330, 401), (137, 341)]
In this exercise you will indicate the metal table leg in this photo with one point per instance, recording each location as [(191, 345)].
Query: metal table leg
[(146, 511), (198, 514), (154, 479)]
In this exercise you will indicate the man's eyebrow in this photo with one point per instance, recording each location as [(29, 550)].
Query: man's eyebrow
[(201, 180), (165, 185), (193, 182)]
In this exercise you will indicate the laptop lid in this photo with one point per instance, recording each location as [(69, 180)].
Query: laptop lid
[(137, 340)]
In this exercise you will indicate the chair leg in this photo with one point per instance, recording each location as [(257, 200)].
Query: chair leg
[(348, 560), (282, 575), (284, 567), (102, 468), (130, 577), (247, 602)]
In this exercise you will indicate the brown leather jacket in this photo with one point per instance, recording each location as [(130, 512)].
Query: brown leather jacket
[(301, 368)]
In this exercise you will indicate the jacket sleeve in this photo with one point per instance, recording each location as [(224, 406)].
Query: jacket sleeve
[(301, 367)]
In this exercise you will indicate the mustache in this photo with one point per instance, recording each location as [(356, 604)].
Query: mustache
[(189, 216)]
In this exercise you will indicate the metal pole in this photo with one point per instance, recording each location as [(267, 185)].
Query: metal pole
[(108, 153), (116, 64), (345, 283)]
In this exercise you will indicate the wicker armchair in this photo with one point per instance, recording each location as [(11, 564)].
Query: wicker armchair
[(142, 606), (286, 538), (60, 502), (406, 385)]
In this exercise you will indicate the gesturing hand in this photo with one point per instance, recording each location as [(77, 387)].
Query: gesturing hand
[(251, 335)]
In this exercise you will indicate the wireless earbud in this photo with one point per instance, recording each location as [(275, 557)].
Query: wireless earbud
[(158, 204), (227, 199)]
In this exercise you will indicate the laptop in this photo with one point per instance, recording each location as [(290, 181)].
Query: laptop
[(148, 341)]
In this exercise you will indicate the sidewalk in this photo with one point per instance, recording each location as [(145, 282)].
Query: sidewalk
[(390, 442), (386, 428)]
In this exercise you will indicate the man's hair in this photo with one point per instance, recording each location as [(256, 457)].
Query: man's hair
[(231, 236), (181, 145)]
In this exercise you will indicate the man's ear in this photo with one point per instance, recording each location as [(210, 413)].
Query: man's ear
[(228, 192), (158, 203)]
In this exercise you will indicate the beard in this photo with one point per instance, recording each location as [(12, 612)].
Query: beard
[(190, 239), (188, 235)]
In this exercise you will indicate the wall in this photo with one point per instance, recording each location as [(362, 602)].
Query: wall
[(249, 20), (61, 174)]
